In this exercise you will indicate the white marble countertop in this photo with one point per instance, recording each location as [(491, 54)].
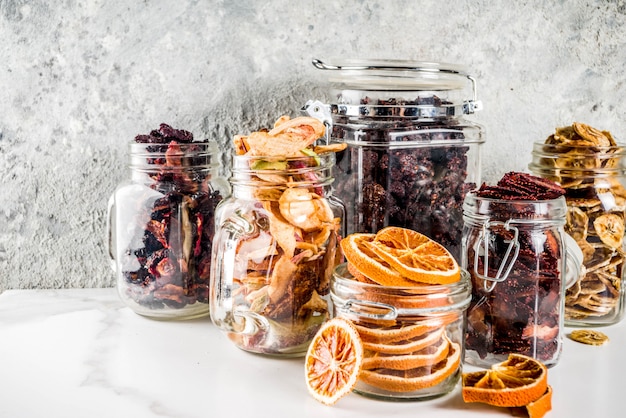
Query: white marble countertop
[(81, 353)]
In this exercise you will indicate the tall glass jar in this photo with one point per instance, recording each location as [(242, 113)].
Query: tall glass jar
[(593, 178), (275, 247), (412, 336), (161, 228), (515, 252), (411, 155)]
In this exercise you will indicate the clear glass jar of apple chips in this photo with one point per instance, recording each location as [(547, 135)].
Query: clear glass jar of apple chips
[(276, 239)]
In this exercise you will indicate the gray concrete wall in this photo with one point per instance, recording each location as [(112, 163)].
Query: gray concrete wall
[(78, 79)]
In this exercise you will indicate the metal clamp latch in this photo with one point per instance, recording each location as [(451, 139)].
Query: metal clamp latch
[(506, 265), (321, 112)]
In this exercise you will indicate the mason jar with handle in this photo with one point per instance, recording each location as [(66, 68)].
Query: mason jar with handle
[(160, 228), (274, 251)]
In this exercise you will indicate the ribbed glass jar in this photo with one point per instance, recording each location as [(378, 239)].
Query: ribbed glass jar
[(593, 178), (412, 336), (275, 247), (411, 156), (161, 228)]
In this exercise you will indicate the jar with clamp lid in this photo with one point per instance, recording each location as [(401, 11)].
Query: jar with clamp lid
[(515, 252), (411, 156)]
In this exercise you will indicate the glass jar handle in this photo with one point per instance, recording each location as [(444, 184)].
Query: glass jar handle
[(360, 308), (109, 238), (224, 314), (505, 266)]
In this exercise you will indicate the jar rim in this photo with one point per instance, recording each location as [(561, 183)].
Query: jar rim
[(457, 294)]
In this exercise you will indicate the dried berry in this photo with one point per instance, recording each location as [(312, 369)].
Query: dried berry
[(167, 263), (416, 187)]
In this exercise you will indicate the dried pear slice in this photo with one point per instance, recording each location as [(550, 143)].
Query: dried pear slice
[(576, 223), (589, 336), (610, 229)]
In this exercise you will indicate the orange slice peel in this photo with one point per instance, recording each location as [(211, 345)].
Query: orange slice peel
[(519, 381)]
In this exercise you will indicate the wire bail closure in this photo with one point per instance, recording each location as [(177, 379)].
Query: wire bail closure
[(505, 266)]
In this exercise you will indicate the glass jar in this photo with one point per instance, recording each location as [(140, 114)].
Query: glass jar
[(161, 228), (412, 336), (516, 254), (593, 178), (275, 247), (411, 155)]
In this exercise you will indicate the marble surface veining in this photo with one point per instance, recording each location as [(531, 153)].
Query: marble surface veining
[(76, 353)]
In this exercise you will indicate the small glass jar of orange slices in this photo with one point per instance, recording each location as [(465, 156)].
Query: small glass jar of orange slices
[(276, 240), (406, 296)]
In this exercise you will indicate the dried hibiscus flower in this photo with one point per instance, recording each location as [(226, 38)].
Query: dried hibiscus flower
[(168, 238)]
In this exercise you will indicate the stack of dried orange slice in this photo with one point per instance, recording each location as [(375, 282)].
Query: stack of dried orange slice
[(399, 257), (518, 382), (399, 357)]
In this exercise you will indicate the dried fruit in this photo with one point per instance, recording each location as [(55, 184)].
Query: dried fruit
[(403, 355), (391, 181), (362, 259), (522, 313), (610, 229), (400, 257), (589, 336), (333, 361), (414, 379), (167, 262), (587, 162), (518, 381), (415, 256), (289, 242)]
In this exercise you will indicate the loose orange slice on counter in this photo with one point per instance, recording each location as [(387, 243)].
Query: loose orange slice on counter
[(518, 381), (415, 256), (333, 361), (540, 407)]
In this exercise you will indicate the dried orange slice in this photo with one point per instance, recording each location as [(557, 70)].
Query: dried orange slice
[(518, 381), (333, 361), (427, 356), (406, 347), (390, 335), (540, 407), (415, 256), (358, 255), (414, 379)]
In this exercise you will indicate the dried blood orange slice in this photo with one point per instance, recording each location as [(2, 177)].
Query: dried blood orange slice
[(518, 381), (333, 361), (415, 256)]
